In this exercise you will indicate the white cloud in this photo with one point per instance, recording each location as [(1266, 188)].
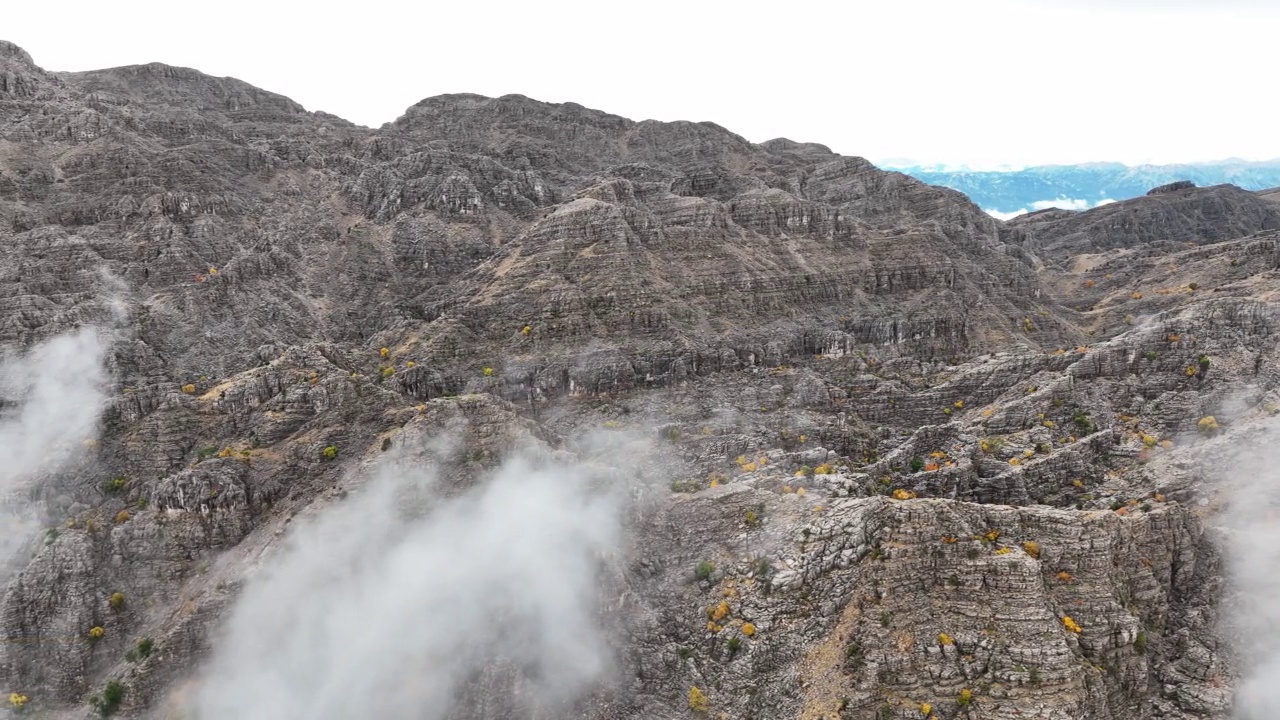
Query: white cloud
[(379, 611), (1004, 215), (56, 393)]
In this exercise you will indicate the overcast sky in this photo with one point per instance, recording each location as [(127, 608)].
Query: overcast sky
[(982, 82)]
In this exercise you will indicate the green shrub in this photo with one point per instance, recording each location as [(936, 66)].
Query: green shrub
[(206, 453), (115, 484), (917, 465), (703, 570), (330, 452), (109, 701)]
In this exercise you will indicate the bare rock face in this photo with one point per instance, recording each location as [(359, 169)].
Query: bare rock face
[(915, 462)]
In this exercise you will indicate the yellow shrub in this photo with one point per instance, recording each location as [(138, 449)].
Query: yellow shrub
[(384, 352), (526, 330), (741, 460), (991, 535), (748, 629), (932, 467), (713, 627), (96, 633), (715, 482), (800, 491), (116, 601), (17, 700), (488, 372), (411, 364), (901, 494), (824, 469), (946, 639), (1208, 424), (1015, 461), (749, 467), (1003, 551), (1149, 440), (1166, 444), (122, 516), (189, 389), (926, 709), (698, 701), (1064, 576), (1070, 624), (1136, 296), (1032, 548), (787, 489), (388, 371), (964, 698), (719, 612)]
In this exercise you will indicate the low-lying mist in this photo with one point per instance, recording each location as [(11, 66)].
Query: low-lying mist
[(404, 601), (50, 399), (1252, 610)]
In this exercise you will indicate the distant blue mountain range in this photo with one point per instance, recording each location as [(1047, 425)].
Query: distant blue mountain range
[(1006, 193)]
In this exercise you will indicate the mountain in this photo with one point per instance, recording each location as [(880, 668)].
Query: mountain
[(1077, 187), (511, 409)]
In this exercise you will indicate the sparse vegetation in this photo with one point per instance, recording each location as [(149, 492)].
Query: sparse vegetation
[(965, 698), (96, 633), (945, 639), (916, 465), (115, 484), (116, 601), (109, 701), (1032, 548), (488, 372), (704, 570), (824, 469), (189, 389), (329, 452), (123, 516), (144, 647), (698, 701), (991, 445)]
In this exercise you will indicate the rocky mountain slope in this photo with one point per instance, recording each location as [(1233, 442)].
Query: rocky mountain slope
[(878, 454)]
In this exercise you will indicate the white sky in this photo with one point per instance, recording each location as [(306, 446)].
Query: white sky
[(982, 82)]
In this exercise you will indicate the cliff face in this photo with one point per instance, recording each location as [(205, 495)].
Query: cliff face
[(887, 457)]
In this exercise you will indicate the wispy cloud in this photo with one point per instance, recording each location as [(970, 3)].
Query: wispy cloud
[(50, 398), (374, 610)]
